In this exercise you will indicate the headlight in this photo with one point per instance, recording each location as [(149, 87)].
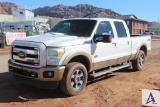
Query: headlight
[(54, 55)]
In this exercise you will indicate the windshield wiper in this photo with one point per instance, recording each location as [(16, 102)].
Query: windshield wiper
[(77, 34), (55, 33), (82, 35)]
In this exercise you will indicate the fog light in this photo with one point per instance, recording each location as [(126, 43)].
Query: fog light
[(48, 74)]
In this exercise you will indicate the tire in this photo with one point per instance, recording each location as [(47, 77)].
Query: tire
[(1, 45), (74, 79), (138, 63), (2, 42)]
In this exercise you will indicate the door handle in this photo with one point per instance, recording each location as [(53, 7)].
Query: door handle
[(114, 43)]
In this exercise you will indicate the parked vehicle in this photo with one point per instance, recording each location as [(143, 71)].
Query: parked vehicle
[(149, 33), (74, 50), (30, 28)]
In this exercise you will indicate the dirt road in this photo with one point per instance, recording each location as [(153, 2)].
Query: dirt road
[(119, 89)]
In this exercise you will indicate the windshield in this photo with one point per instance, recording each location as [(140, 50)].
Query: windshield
[(79, 28)]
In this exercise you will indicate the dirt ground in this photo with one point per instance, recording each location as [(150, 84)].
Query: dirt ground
[(122, 88)]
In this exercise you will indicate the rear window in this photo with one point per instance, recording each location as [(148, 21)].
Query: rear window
[(121, 31)]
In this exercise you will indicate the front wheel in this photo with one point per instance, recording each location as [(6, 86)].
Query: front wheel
[(74, 79), (138, 63)]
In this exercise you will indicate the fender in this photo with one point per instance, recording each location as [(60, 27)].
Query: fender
[(77, 53), (143, 44)]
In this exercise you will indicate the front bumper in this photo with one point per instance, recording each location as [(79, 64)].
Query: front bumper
[(33, 76)]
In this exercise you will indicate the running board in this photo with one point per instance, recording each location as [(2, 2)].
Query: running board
[(97, 74)]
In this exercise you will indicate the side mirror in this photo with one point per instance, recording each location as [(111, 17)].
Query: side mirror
[(107, 38), (103, 38)]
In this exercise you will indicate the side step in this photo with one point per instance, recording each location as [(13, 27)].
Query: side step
[(100, 73)]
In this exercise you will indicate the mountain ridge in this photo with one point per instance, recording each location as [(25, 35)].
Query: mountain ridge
[(7, 7), (80, 10), (61, 11)]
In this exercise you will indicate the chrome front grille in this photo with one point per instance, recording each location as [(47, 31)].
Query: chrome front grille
[(26, 55)]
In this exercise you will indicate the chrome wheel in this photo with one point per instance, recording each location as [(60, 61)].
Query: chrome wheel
[(74, 79), (139, 62), (77, 79)]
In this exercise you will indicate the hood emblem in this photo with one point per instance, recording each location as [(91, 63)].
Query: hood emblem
[(22, 54)]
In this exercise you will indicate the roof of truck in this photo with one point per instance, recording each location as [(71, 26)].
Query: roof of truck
[(98, 19)]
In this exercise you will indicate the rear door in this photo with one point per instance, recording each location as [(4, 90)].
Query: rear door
[(123, 42)]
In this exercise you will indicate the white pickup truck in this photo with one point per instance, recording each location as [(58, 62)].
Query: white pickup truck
[(74, 50)]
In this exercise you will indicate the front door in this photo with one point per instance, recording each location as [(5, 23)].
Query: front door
[(104, 54)]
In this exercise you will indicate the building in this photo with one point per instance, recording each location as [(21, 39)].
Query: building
[(5, 17), (26, 14), (21, 15), (53, 21), (135, 25)]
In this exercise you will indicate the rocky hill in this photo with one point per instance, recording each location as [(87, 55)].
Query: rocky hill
[(61, 11), (154, 24), (7, 7), (80, 10)]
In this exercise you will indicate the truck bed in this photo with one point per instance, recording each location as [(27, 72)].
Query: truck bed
[(137, 35), (137, 41)]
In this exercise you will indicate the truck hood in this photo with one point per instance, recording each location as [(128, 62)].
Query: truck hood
[(55, 39)]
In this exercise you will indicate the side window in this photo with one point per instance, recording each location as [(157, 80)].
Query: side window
[(121, 31), (104, 27)]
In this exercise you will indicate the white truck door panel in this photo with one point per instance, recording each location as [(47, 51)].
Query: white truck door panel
[(104, 54), (103, 51), (124, 50), (123, 42)]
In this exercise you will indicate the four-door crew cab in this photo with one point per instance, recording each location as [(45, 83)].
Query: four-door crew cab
[(74, 50)]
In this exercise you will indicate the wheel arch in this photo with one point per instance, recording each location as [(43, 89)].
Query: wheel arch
[(143, 48), (81, 57)]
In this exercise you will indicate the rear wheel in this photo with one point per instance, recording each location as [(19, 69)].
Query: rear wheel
[(74, 79), (138, 63)]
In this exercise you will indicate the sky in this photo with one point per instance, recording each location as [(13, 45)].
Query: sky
[(148, 10)]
